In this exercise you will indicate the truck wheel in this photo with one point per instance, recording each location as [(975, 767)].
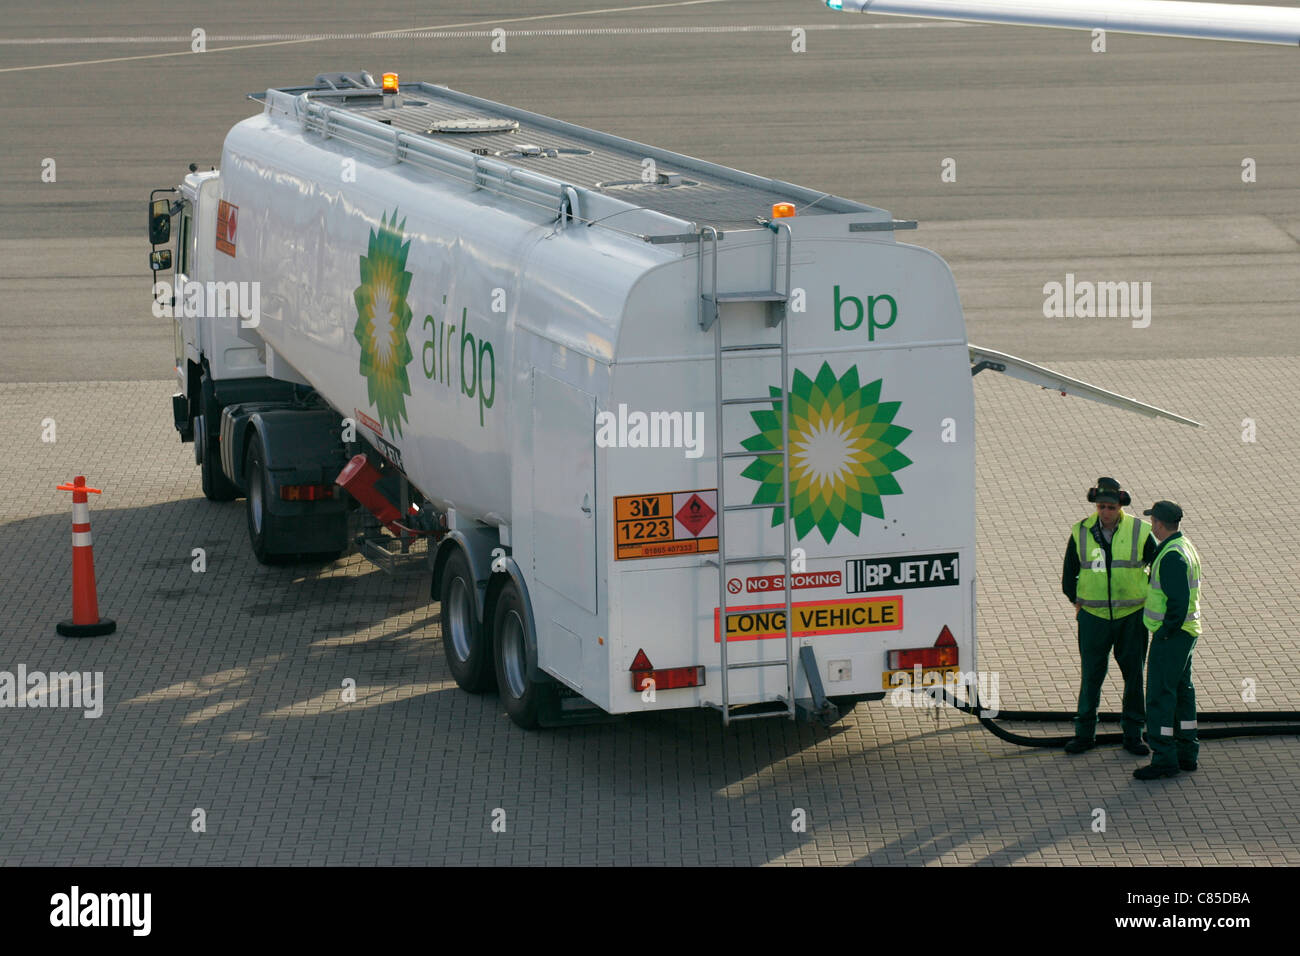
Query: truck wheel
[(522, 698), (207, 444), (262, 530), (468, 648)]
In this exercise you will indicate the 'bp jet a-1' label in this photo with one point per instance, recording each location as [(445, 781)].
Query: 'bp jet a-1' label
[(863, 575)]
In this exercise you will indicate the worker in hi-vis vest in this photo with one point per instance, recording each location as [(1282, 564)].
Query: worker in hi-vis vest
[(1105, 579), (1173, 615)]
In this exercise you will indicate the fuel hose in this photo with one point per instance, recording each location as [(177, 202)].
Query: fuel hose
[(1205, 717)]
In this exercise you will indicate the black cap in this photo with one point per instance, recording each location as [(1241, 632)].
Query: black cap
[(1107, 490), (1165, 511)]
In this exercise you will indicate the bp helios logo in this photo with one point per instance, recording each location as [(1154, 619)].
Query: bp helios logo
[(383, 317), (843, 452)]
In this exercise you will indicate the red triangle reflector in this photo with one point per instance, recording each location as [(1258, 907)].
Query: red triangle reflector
[(945, 638), (642, 663)]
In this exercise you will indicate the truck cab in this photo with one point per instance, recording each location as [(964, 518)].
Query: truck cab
[(202, 345)]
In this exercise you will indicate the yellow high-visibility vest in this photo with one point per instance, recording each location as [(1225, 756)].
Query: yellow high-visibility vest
[(1156, 602), (1125, 592)]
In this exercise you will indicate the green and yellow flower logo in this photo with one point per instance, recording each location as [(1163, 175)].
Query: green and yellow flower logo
[(843, 452), (382, 320)]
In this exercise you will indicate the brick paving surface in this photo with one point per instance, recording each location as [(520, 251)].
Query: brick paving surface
[(222, 688)]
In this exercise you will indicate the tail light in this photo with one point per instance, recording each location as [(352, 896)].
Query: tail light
[(925, 656), (666, 678), (943, 654), (306, 492)]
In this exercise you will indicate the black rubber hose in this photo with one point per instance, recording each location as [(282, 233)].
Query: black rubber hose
[(1212, 733), (1209, 716)]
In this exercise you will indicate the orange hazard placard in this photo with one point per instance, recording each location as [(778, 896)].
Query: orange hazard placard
[(227, 226), (665, 524), (851, 616)]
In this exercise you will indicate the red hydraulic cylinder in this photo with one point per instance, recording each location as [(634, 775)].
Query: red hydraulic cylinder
[(358, 478)]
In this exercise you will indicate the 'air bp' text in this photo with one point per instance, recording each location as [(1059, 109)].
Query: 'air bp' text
[(852, 616), (443, 352)]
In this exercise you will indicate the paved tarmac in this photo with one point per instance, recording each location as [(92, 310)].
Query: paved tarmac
[(222, 687), (1124, 164)]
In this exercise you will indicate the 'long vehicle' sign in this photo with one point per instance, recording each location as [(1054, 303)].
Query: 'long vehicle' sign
[(845, 616)]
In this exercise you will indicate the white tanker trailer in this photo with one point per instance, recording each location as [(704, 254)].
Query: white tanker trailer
[(561, 359)]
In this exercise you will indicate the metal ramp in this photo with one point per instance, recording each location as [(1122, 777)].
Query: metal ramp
[(713, 310)]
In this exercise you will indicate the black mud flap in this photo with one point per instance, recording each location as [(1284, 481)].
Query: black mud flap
[(561, 706), (181, 416)]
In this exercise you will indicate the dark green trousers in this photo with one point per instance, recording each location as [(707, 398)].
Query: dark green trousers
[(1171, 701), (1126, 637)]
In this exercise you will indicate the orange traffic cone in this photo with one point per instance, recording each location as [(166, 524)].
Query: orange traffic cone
[(85, 621)]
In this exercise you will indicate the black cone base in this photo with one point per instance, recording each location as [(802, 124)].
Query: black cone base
[(103, 626)]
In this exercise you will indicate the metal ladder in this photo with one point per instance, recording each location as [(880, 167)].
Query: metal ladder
[(712, 304)]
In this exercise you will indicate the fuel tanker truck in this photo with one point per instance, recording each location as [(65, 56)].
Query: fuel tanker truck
[(663, 434)]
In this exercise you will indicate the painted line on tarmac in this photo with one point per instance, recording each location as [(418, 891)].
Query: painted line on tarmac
[(473, 34), (381, 34)]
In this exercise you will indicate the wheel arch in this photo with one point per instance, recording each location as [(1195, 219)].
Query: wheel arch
[(298, 445)]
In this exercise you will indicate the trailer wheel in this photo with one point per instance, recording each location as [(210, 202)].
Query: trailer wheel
[(263, 532), (468, 647), (522, 698), (207, 445)]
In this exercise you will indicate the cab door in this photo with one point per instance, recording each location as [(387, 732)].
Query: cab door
[(186, 327), (184, 330)]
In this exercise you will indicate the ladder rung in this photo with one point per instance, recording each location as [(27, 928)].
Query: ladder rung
[(753, 454), (767, 713), (753, 559), (732, 667), (762, 399), (752, 507), (750, 348), (758, 295)]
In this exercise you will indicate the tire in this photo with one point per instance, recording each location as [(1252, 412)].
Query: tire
[(207, 438), (521, 697), (263, 531), (467, 646)]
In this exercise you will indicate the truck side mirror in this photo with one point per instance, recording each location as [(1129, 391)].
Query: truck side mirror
[(161, 260), (160, 222)]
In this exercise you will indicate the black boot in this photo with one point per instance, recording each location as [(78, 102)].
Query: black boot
[(1152, 772)]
